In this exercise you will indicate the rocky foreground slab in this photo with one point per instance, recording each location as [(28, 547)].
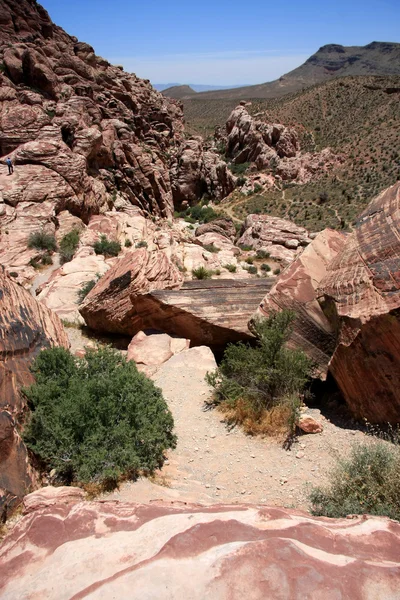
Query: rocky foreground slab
[(120, 550)]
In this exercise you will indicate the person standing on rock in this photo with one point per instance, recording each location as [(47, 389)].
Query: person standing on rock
[(10, 166)]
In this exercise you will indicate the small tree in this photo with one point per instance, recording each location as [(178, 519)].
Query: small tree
[(40, 240), (106, 247), (68, 246)]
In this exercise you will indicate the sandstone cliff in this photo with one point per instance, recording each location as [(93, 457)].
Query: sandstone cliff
[(361, 296), (85, 136)]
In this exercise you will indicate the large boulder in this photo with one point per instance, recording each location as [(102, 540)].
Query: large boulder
[(25, 328), (133, 551), (110, 305), (149, 350), (361, 296), (208, 312), (295, 290)]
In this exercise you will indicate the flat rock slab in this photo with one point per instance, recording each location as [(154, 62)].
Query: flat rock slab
[(102, 550), (210, 312)]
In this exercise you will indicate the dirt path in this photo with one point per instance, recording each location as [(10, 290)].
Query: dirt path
[(44, 274), (212, 464)]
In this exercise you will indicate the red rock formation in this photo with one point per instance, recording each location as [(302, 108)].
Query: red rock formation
[(279, 237), (25, 328), (152, 349), (361, 295), (84, 135), (274, 147), (296, 290), (109, 307), (210, 312), (121, 550), (223, 226)]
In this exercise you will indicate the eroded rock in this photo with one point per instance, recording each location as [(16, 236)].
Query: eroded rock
[(121, 550)]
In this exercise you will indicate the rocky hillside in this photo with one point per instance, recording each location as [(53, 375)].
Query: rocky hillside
[(330, 61)]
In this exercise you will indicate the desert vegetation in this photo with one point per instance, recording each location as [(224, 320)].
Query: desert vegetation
[(106, 246), (367, 480), (87, 287), (260, 387), (95, 419), (41, 240), (69, 245)]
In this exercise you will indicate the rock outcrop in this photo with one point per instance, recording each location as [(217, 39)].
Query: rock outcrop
[(109, 306), (273, 147), (361, 296), (25, 328), (121, 550), (281, 238), (196, 171), (296, 290), (208, 312), (85, 137)]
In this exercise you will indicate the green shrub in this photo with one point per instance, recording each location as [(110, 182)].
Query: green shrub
[(86, 288), (252, 270), (365, 481), (211, 248), (33, 262), (263, 254), (141, 244), (277, 271), (249, 260), (128, 243), (265, 267), (95, 419), (230, 267), (239, 169), (202, 273), (106, 247), (46, 259), (245, 248), (40, 240), (253, 381), (68, 246)]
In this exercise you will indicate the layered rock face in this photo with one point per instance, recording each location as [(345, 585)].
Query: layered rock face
[(120, 550), (84, 136), (361, 295), (295, 290), (281, 238), (25, 328), (109, 307), (209, 312)]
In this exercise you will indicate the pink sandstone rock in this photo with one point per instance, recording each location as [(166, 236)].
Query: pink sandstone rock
[(281, 238), (361, 295), (102, 550), (150, 350), (295, 290), (50, 496)]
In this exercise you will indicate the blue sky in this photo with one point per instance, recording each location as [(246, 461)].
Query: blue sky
[(219, 42)]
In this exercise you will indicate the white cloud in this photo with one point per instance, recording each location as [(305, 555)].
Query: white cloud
[(218, 68)]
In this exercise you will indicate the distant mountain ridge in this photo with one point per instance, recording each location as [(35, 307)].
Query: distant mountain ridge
[(329, 62), (195, 87)]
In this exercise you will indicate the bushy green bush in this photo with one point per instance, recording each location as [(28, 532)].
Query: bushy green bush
[(95, 419), (239, 169), (265, 267), (365, 481), (86, 288), (202, 273), (263, 254), (127, 243), (141, 244), (200, 213), (68, 246), (252, 380), (107, 247), (40, 240), (252, 269), (230, 267)]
